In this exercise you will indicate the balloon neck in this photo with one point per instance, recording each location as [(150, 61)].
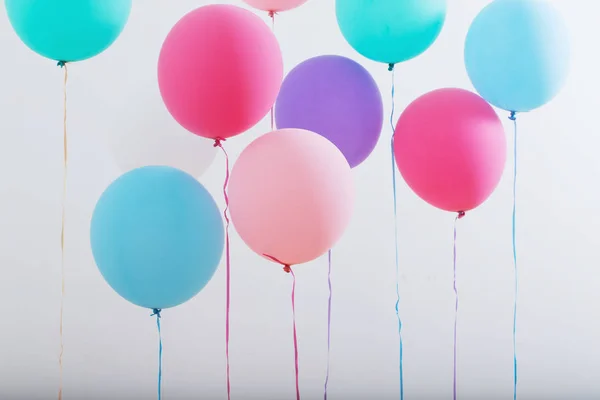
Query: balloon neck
[(272, 14), (61, 64), (218, 142), (391, 66), (513, 116), (156, 311), (286, 267), (460, 214)]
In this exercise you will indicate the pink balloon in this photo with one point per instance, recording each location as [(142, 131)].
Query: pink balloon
[(291, 195), (219, 71), (450, 148), (275, 5)]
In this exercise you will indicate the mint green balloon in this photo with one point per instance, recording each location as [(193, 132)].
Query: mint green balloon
[(390, 31), (68, 30)]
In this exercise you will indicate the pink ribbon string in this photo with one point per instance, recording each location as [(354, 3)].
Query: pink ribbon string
[(288, 268), (218, 143), (458, 216)]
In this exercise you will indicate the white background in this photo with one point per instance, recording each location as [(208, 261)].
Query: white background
[(111, 345)]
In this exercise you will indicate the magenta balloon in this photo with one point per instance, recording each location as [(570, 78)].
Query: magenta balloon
[(336, 98), (275, 5), (291, 195), (450, 148), (219, 70)]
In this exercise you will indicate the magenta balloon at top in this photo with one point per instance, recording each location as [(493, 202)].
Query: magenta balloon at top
[(275, 5), (450, 148), (219, 71), (336, 98)]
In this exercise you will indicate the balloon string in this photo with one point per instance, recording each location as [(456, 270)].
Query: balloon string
[(400, 355), (218, 143), (328, 322), (458, 216), (513, 118), (63, 65), (295, 334), (288, 268), (272, 16), (157, 311)]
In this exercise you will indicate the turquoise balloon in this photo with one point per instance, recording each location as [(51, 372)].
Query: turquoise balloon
[(517, 53), (157, 236), (68, 30), (390, 31)]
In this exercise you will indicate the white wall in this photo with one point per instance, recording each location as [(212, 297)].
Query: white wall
[(111, 346)]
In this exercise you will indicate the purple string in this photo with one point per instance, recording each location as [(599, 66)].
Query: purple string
[(458, 216), (328, 323)]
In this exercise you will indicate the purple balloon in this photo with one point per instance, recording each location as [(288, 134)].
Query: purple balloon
[(336, 98)]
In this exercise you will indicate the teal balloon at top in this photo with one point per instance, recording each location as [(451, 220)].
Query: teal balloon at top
[(68, 30), (157, 236), (390, 31), (517, 53)]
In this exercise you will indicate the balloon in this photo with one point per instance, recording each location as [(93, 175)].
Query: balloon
[(336, 98), (275, 5), (219, 71), (450, 149), (145, 134), (390, 31), (68, 30), (291, 195), (517, 53), (157, 236)]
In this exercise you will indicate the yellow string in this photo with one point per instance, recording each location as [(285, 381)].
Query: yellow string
[(62, 231)]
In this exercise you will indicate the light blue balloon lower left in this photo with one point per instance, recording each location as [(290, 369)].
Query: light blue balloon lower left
[(157, 236), (68, 30)]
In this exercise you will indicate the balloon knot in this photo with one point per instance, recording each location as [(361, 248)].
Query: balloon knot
[(460, 214), (513, 116), (156, 311), (61, 64), (272, 14), (390, 67), (287, 269), (218, 142)]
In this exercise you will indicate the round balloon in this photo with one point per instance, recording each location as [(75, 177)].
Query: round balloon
[(517, 53), (275, 5), (390, 31), (68, 30), (219, 71), (336, 98), (291, 195), (157, 236), (450, 148)]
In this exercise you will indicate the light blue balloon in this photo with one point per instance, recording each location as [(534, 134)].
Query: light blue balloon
[(68, 30), (517, 53), (157, 236), (390, 31)]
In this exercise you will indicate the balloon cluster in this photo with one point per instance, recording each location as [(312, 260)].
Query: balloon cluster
[(156, 233)]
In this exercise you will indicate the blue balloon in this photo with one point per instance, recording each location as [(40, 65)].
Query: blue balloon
[(517, 53), (157, 236), (390, 31), (68, 30)]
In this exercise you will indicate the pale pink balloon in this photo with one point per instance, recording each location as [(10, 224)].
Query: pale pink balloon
[(450, 148), (219, 71), (291, 195), (275, 5)]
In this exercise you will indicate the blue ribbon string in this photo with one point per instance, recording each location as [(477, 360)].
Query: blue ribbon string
[(400, 355), (513, 118), (156, 312)]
